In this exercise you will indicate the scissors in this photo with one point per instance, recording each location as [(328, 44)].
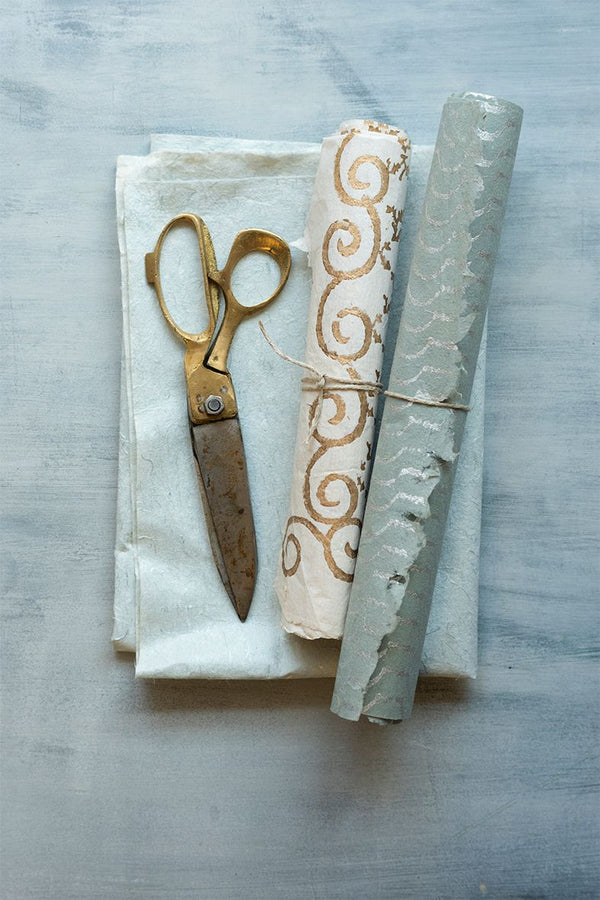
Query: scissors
[(213, 414)]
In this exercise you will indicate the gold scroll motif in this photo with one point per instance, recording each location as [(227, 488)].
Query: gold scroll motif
[(323, 526)]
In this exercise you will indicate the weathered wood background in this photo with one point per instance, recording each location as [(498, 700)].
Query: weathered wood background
[(113, 789)]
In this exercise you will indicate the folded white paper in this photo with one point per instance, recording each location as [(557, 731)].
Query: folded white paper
[(170, 605)]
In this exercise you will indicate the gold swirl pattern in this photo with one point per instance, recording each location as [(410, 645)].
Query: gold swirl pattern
[(333, 500)]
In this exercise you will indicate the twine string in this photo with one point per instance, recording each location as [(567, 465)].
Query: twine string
[(320, 382)]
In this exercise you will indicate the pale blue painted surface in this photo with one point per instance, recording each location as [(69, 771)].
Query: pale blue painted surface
[(114, 789)]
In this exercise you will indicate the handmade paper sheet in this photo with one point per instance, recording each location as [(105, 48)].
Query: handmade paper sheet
[(352, 240), (440, 331), (185, 627)]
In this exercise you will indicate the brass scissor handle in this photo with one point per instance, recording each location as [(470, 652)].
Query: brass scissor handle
[(251, 240), (211, 291), (206, 353)]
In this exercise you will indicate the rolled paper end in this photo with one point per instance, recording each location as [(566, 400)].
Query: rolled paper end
[(488, 101), (382, 722), (308, 633), (370, 126)]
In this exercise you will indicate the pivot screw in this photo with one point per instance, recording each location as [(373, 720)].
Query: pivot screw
[(214, 405)]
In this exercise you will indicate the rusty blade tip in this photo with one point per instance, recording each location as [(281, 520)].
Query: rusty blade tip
[(242, 610)]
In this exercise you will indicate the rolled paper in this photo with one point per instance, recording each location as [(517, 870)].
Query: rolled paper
[(438, 342), (352, 238)]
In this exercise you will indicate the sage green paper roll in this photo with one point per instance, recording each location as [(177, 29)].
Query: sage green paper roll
[(436, 353)]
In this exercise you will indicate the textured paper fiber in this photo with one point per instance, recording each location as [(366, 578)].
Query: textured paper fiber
[(352, 237), (169, 601), (440, 331)]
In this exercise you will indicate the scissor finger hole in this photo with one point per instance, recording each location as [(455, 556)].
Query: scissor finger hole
[(182, 278), (255, 278)]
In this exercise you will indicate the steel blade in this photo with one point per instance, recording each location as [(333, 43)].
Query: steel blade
[(223, 481)]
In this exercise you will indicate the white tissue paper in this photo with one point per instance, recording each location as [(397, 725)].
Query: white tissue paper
[(170, 607)]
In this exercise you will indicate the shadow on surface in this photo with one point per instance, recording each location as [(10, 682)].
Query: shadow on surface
[(166, 695)]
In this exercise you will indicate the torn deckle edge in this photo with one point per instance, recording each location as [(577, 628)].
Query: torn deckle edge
[(438, 342), (352, 239)]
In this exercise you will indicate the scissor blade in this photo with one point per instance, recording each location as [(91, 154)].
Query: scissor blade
[(223, 480)]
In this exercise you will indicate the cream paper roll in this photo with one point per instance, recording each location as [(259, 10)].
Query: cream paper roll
[(351, 237)]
